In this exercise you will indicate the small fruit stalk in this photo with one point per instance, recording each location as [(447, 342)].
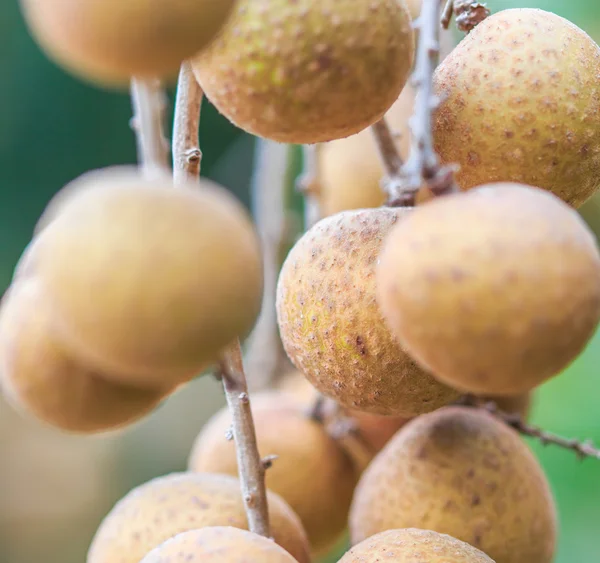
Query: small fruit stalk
[(186, 159)]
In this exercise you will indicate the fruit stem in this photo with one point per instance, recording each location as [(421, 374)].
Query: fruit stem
[(265, 357), (149, 103), (251, 468), (187, 157), (308, 184), (468, 14)]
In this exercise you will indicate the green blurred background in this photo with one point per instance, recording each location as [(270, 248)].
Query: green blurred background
[(54, 488)]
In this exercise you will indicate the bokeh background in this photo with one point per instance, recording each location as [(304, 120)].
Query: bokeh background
[(55, 488)]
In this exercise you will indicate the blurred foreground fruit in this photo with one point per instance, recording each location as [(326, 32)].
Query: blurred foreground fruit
[(494, 290), (414, 546), (308, 71), (462, 472), (218, 544), (148, 280), (169, 505), (312, 473), (39, 376), (332, 328), (520, 103), (108, 42)]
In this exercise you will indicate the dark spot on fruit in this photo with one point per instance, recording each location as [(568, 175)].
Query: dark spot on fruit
[(361, 346)]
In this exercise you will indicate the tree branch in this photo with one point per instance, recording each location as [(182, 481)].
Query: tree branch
[(251, 468), (309, 186), (149, 103)]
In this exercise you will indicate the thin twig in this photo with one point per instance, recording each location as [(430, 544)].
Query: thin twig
[(149, 102), (265, 358), (251, 468), (468, 13), (447, 14), (309, 185), (187, 156)]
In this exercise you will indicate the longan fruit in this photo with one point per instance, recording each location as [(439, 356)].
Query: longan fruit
[(520, 103), (460, 471), (308, 71), (180, 502), (312, 473), (218, 544), (411, 546), (39, 376), (331, 326), (494, 290), (146, 278), (109, 42)]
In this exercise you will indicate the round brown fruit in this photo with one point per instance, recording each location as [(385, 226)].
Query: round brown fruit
[(331, 326), (109, 42), (308, 71), (520, 104), (146, 278), (166, 506), (40, 378), (312, 473), (412, 545), (460, 471), (494, 290), (218, 544)]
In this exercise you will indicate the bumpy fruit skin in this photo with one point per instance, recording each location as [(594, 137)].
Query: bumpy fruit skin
[(308, 71), (109, 42), (176, 503), (146, 278), (331, 326), (520, 104), (40, 378), (494, 290), (312, 473), (413, 546), (462, 472), (218, 544)]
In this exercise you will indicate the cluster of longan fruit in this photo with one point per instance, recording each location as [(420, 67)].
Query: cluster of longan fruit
[(132, 286)]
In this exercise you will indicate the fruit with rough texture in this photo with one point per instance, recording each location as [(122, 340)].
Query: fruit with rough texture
[(40, 378), (218, 544), (411, 545), (312, 473), (311, 71), (146, 278), (520, 103), (176, 503), (331, 326), (108, 42), (494, 290), (460, 471)]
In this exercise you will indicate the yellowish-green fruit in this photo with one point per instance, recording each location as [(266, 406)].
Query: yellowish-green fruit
[(494, 290), (462, 472), (146, 278), (331, 326), (520, 103), (312, 473), (166, 506), (40, 377), (414, 546), (308, 71), (218, 544), (109, 42)]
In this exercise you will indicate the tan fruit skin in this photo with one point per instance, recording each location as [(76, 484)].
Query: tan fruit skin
[(414, 546), (308, 71), (494, 290), (218, 544), (521, 104), (312, 473), (148, 279), (169, 505), (462, 472), (41, 379), (108, 42), (331, 326)]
